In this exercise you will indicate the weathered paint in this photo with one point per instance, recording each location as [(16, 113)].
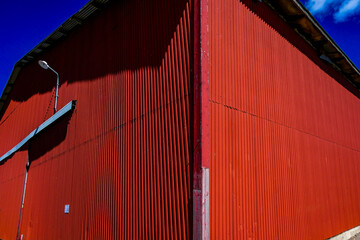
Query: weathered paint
[(122, 159), (285, 146), (201, 122)]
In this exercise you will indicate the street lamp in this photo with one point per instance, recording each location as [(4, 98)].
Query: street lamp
[(44, 65)]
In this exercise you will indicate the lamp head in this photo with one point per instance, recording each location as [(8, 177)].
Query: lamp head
[(43, 64)]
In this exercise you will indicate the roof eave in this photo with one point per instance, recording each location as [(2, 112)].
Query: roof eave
[(76, 20), (297, 16)]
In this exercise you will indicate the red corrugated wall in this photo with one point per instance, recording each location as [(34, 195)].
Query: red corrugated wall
[(285, 149), (122, 158), (11, 189)]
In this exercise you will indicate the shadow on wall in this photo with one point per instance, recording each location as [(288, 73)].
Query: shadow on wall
[(128, 35), (45, 141), (49, 139)]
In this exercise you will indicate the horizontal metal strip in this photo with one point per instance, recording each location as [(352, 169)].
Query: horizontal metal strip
[(67, 108)]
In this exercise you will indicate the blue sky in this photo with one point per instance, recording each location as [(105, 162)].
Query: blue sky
[(341, 20), (24, 23)]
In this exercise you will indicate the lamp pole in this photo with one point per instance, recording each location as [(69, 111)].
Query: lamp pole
[(45, 65)]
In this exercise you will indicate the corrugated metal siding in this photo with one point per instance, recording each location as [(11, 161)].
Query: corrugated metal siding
[(284, 134), (121, 160), (11, 189)]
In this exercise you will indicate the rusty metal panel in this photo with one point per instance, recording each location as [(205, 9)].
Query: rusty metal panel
[(121, 161), (284, 132)]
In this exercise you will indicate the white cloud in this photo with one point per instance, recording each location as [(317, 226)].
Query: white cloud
[(340, 10), (316, 6), (347, 9)]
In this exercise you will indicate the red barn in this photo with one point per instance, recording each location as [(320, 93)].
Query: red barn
[(186, 119)]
